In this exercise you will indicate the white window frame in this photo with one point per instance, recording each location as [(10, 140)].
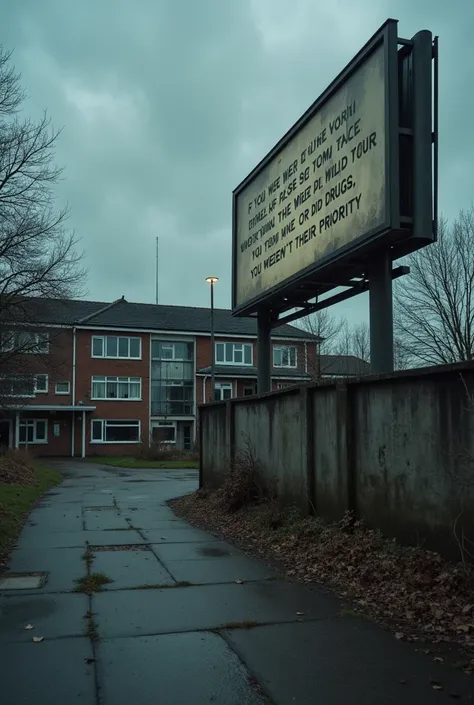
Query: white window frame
[(25, 423), (235, 346), (42, 391), (282, 349), (220, 387), (59, 393), (169, 345), (39, 345), (100, 379), (103, 338), (135, 423)]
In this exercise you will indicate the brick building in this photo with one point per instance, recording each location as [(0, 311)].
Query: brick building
[(92, 378)]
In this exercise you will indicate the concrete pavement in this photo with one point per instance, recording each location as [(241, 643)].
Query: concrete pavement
[(187, 618)]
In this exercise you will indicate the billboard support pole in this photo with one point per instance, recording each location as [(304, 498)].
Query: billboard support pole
[(423, 226), (381, 314), (264, 381)]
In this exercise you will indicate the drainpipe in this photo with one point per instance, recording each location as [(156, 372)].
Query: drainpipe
[(204, 389), (73, 426)]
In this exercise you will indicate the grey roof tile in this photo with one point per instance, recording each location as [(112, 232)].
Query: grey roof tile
[(149, 316)]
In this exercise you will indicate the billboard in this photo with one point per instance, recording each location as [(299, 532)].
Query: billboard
[(327, 187)]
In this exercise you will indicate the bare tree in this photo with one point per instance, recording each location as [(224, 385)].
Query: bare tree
[(360, 341), (434, 304), (326, 328), (38, 255)]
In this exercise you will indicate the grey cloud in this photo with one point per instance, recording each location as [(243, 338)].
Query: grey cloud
[(167, 105)]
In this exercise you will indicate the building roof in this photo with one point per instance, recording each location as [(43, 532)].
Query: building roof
[(123, 314), (249, 372), (343, 365)]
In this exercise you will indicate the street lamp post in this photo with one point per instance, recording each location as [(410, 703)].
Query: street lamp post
[(212, 281)]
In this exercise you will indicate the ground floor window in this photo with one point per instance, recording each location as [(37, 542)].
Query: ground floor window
[(34, 431), (164, 432), (115, 431), (223, 390)]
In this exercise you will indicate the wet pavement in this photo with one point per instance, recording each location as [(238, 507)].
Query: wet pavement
[(187, 618)]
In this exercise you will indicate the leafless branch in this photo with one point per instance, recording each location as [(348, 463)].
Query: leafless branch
[(434, 305), (39, 256)]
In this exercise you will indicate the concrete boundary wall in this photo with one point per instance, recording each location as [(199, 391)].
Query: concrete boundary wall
[(398, 450)]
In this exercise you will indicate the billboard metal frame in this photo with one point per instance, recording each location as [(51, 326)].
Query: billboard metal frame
[(386, 36), (411, 203), (341, 266)]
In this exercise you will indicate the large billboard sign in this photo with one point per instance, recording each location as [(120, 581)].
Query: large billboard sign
[(328, 188)]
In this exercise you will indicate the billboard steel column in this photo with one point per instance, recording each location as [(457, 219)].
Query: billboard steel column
[(264, 377), (422, 136), (381, 314)]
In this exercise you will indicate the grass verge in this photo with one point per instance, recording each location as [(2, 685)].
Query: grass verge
[(126, 462), (16, 501)]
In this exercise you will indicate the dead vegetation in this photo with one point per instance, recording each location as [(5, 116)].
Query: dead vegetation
[(94, 582), (16, 467), (414, 591)]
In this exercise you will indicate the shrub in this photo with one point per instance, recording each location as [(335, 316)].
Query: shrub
[(244, 483)]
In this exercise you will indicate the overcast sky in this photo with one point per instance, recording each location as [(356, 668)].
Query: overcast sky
[(167, 104)]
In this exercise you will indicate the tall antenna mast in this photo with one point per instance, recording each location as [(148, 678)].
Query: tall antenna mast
[(157, 270)]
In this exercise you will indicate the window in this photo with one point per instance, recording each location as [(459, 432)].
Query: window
[(113, 346), (63, 388), (34, 431), (171, 351), (164, 432), (234, 353), (118, 431), (222, 391), (41, 384), (284, 356), (116, 388), (17, 385), (249, 390), (25, 341)]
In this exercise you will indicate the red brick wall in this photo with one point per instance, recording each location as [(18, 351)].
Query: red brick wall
[(87, 366), (57, 445)]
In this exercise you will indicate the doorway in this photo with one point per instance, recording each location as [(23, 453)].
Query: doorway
[(5, 430)]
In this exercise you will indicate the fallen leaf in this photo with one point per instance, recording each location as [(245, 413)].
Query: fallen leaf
[(436, 686), (239, 582), (399, 635), (28, 627), (37, 639), (439, 658), (300, 614), (467, 608)]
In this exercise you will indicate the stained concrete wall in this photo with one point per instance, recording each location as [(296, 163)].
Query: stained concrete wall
[(398, 450)]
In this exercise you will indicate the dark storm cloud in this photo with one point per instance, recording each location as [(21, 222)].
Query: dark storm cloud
[(166, 106)]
